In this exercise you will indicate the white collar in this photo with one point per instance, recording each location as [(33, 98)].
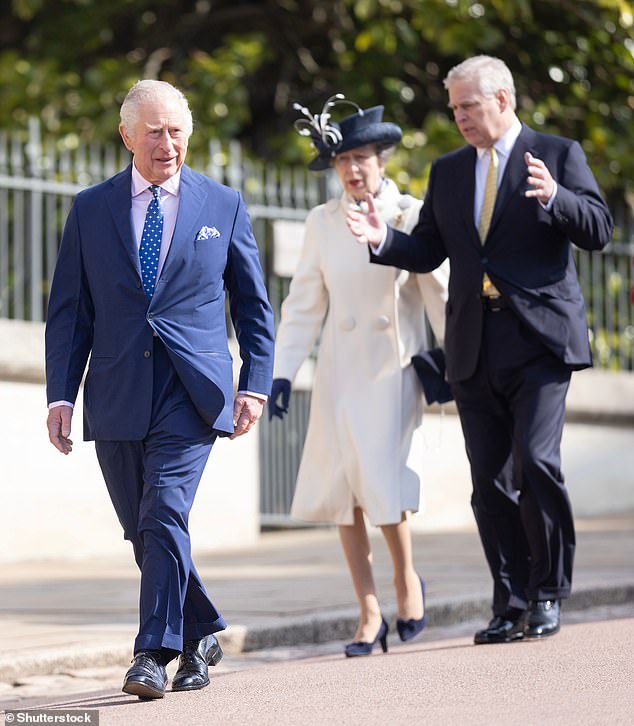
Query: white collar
[(140, 183), (504, 144)]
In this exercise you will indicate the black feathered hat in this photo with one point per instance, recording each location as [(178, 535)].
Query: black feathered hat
[(331, 138)]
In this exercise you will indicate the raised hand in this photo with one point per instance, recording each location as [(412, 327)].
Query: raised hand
[(542, 183), (367, 228)]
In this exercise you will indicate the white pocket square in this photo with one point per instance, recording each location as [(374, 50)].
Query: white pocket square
[(208, 233)]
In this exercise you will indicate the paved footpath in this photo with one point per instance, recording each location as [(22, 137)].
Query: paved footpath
[(580, 677), (67, 627)]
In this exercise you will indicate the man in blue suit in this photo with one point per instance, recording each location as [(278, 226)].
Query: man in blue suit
[(139, 286), (505, 210)]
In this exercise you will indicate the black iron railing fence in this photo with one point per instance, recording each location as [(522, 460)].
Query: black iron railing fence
[(38, 181)]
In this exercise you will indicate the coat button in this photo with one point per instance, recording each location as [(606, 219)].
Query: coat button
[(348, 324), (147, 353), (383, 322)]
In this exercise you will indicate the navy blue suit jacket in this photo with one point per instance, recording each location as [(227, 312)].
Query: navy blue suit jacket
[(97, 308), (527, 253)]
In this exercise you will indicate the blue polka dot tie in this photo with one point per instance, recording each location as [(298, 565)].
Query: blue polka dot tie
[(150, 247)]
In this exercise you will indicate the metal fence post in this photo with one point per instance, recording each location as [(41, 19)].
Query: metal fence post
[(35, 246)]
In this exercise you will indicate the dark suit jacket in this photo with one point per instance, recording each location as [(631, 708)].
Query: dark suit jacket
[(527, 253), (97, 306)]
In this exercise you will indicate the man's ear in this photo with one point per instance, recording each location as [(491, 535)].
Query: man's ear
[(127, 139), (502, 97)]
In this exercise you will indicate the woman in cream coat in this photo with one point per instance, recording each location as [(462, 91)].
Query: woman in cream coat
[(366, 402)]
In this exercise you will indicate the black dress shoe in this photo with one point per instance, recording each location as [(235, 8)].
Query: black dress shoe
[(501, 629), (542, 618), (146, 677), (193, 672)]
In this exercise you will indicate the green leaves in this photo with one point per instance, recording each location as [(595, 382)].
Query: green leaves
[(243, 62)]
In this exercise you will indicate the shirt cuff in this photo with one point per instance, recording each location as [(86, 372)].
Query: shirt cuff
[(261, 396), (379, 248), (61, 403), (549, 205)]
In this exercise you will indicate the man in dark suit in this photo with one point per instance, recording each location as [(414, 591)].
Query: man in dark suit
[(505, 210), (139, 285)]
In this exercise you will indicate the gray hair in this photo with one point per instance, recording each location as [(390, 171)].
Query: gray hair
[(385, 152), (488, 73), (151, 90)]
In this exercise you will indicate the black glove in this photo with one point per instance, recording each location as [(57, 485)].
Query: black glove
[(281, 388), (430, 367)]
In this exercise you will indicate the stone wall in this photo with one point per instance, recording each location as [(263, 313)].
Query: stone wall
[(55, 506)]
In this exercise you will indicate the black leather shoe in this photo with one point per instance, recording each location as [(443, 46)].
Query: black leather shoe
[(542, 618), (501, 630), (146, 677), (193, 672)]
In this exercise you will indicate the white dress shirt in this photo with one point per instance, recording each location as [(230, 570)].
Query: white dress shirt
[(141, 197), (503, 148)]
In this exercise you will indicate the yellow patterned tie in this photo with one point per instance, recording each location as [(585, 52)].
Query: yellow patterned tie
[(490, 190), (488, 202)]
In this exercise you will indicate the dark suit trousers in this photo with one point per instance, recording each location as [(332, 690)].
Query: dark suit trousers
[(512, 413), (152, 484)]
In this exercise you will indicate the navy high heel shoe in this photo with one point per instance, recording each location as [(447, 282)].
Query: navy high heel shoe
[(408, 629), (360, 647)]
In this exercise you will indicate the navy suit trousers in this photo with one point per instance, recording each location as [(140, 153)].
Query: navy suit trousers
[(512, 413), (152, 484)]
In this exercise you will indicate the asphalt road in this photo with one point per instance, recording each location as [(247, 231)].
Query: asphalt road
[(582, 676)]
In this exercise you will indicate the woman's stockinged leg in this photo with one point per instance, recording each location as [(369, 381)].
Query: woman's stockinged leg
[(356, 547), (409, 597)]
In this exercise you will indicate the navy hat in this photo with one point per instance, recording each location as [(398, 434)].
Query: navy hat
[(332, 138)]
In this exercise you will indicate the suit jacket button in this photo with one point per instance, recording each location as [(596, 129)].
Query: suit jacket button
[(348, 324), (383, 322), (147, 353)]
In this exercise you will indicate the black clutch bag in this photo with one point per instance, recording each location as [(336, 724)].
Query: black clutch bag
[(430, 368)]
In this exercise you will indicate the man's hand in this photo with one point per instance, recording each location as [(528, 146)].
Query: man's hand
[(539, 178), (369, 229), (58, 424), (246, 411)]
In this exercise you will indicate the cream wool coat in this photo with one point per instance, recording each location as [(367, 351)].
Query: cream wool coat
[(366, 401)]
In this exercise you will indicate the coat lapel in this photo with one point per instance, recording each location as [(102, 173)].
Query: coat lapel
[(119, 199), (192, 199), (514, 179)]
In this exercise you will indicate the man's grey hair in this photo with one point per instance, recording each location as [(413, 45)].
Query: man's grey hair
[(489, 74), (151, 90)]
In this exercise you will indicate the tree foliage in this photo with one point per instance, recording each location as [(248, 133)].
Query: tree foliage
[(243, 62)]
